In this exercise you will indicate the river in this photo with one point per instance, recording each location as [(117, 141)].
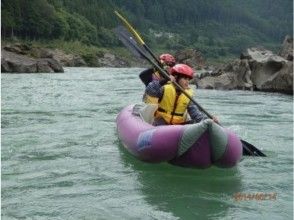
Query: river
[(61, 157)]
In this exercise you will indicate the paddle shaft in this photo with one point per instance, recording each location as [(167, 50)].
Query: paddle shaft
[(136, 35)]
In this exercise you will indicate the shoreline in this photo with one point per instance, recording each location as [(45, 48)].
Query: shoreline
[(267, 71)]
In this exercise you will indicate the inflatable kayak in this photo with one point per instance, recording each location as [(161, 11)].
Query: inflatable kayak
[(192, 145)]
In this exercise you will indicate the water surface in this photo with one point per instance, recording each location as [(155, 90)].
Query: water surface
[(61, 158)]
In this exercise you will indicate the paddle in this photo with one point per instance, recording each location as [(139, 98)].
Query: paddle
[(248, 149), (136, 35)]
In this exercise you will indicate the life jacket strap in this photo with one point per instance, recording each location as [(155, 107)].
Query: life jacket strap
[(163, 110)]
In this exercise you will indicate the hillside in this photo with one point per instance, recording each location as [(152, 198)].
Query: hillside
[(217, 28)]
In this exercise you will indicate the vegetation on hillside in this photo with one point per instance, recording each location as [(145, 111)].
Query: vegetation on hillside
[(217, 28)]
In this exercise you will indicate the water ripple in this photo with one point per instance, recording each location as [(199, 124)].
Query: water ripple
[(62, 159)]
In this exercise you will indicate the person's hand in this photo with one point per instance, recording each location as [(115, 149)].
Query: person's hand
[(215, 119), (172, 78)]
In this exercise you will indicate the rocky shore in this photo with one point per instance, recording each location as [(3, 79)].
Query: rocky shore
[(22, 58), (263, 71), (257, 69)]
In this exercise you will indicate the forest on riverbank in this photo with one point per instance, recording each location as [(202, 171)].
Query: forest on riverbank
[(216, 28)]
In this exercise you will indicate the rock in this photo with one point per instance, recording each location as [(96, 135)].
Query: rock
[(36, 52), (41, 53), (53, 64), (287, 48), (100, 59), (43, 66), (270, 72), (222, 82), (17, 48), (69, 60), (191, 57), (17, 63), (264, 71), (232, 66), (110, 60), (281, 81)]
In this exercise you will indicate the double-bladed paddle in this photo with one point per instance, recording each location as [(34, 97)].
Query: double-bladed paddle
[(139, 51)]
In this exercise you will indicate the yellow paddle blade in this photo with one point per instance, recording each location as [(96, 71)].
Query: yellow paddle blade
[(131, 29)]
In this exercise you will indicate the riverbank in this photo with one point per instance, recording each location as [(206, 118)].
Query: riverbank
[(257, 69), (73, 54)]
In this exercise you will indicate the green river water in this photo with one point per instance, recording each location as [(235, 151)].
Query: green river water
[(61, 157)]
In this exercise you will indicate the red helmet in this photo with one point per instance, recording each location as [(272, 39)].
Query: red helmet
[(168, 59), (182, 69)]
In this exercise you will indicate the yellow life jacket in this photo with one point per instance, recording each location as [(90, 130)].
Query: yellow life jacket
[(172, 107), (150, 99)]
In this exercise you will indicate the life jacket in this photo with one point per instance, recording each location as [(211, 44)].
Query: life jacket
[(172, 107), (150, 99)]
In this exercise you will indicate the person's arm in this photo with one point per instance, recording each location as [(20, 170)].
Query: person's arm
[(155, 88), (146, 76), (195, 114)]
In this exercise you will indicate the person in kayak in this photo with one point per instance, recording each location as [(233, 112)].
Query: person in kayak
[(172, 103), (167, 61)]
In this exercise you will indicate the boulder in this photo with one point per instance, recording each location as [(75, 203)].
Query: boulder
[(258, 69), (287, 48), (110, 60), (37, 52), (41, 53), (222, 82), (43, 66), (17, 48), (281, 81), (69, 60), (53, 64), (270, 72), (191, 57), (17, 63)]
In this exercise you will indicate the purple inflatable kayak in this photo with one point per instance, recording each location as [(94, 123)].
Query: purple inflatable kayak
[(193, 145)]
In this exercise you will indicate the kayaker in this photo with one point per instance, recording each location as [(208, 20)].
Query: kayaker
[(167, 61), (173, 104)]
